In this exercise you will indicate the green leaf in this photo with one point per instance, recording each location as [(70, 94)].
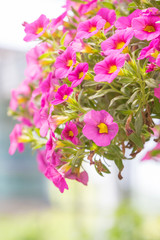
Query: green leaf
[(136, 140), (151, 83), (63, 38), (120, 166), (133, 97), (108, 5), (157, 104), (139, 122), (75, 12), (79, 1), (101, 93), (116, 99)]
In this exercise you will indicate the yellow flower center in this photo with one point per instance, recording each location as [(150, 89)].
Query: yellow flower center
[(39, 30), (21, 100), (112, 69), (120, 45), (80, 75), (92, 29), (102, 128), (65, 97), (69, 63), (155, 54), (70, 134), (149, 28), (107, 25)]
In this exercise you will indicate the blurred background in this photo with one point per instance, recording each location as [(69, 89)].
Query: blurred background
[(31, 208)]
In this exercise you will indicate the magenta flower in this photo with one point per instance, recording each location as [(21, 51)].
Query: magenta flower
[(80, 177), (151, 51), (84, 8), (109, 68), (41, 160), (146, 27), (157, 92), (64, 63), (151, 67), (56, 22), (34, 70), (154, 154), (90, 27), (14, 139), (99, 127), (19, 95), (118, 42), (126, 22), (79, 73), (70, 132), (56, 177), (109, 16), (62, 94), (36, 29)]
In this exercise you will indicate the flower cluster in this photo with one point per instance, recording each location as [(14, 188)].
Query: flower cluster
[(91, 88)]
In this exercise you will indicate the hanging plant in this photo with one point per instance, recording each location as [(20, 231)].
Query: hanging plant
[(91, 88)]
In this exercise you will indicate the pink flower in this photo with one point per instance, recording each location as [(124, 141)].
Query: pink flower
[(50, 146), (41, 160), (150, 67), (64, 63), (36, 29), (118, 42), (151, 12), (79, 73), (109, 68), (126, 22), (19, 95), (85, 8), (14, 139), (80, 177), (151, 51), (56, 177), (146, 27), (99, 127), (70, 132), (90, 27), (62, 94), (56, 22), (154, 154), (34, 70), (157, 92), (109, 16)]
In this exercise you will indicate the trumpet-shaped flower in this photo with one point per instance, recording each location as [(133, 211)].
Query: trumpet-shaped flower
[(109, 68), (80, 176), (79, 73), (70, 132), (118, 42), (90, 27), (36, 29), (109, 16), (56, 22), (126, 22), (14, 139), (151, 51), (99, 127), (64, 63), (56, 177), (85, 8), (146, 27), (62, 94), (34, 69)]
